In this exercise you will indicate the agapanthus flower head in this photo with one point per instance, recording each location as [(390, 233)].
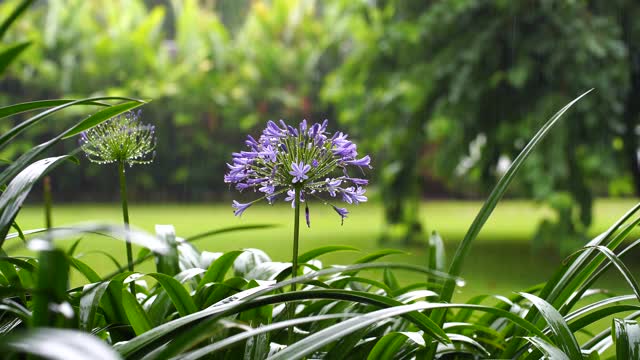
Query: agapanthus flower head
[(306, 158), (123, 138)]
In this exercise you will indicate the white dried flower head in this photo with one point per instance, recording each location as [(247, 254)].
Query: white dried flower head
[(120, 139)]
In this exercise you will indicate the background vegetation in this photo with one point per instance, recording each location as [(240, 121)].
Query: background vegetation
[(444, 110), (448, 96)]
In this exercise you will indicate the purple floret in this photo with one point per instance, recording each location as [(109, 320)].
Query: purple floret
[(239, 207), (299, 171)]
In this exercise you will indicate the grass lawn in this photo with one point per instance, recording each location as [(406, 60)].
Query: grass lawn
[(500, 262)]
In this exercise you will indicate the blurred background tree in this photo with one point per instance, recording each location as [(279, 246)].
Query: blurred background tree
[(445, 93), (466, 101)]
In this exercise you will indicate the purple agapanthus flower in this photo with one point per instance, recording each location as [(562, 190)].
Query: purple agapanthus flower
[(306, 158), (299, 171)]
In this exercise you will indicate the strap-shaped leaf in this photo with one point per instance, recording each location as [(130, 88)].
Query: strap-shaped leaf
[(219, 268), (20, 108), (84, 124), (8, 55), (168, 263), (6, 23), (239, 300), (177, 293), (230, 341), (68, 345), (27, 158), (390, 344), (137, 317), (562, 334), (333, 333), (12, 198), (627, 338), (492, 201), (89, 303), (547, 349), (206, 234), (101, 116), (314, 253)]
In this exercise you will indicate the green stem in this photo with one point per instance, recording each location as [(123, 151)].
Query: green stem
[(125, 218), (294, 261), (47, 202)]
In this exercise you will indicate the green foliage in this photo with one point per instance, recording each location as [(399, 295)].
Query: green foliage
[(209, 81), (464, 102), (232, 305)]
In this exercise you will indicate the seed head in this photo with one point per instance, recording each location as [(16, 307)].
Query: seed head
[(120, 139)]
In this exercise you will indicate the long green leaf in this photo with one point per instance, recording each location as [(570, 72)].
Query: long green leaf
[(58, 344), (226, 308), (84, 269), (390, 344), (8, 55), (136, 315), (565, 288), (6, 23), (27, 158), (101, 116), (116, 232), (219, 268), (51, 288), (501, 187), (19, 263), (177, 293), (89, 303), (549, 350), (603, 339), (228, 229), (326, 336), (597, 315), (240, 299), (235, 339), (627, 339), (91, 120), (16, 192), (312, 254), (162, 331), (563, 335), (168, 263), (620, 266), (598, 304), (596, 275), (564, 283), (20, 108)]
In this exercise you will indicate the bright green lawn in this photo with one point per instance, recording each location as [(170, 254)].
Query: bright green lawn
[(500, 262)]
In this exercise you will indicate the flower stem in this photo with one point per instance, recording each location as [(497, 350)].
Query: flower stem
[(47, 202), (294, 261), (125, 218)]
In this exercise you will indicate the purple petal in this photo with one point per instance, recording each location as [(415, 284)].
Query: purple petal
[(239, 207)]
